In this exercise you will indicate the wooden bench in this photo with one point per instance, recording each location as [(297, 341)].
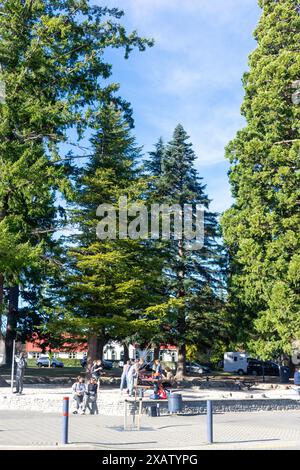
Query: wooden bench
[(246, 383)]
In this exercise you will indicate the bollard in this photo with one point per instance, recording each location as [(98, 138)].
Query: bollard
[(158, 409), (65, 426), (210, 438), (125, 415), (140, 414)]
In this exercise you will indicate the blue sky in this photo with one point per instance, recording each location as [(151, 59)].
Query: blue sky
[(191, 76)]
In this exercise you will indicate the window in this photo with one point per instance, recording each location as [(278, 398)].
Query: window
[(113, 355), (235, 358), (72, 355)]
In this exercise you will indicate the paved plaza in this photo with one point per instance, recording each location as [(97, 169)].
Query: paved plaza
[(255, 430)]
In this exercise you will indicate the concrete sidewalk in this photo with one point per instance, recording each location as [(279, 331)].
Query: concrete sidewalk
[(264, 430)]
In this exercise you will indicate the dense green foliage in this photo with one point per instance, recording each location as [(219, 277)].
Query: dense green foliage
[(262, 228), (111, 285), (191, 274), (52, 65)]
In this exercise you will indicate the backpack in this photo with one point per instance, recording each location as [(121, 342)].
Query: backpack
[(162, 394)]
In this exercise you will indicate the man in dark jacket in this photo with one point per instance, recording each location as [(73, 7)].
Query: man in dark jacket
[(90, 400), (21, 364)]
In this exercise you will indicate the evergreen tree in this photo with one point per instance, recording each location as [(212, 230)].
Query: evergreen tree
[(112, 286), (52, 65), (153, 165), (262, 227), (191, 276)]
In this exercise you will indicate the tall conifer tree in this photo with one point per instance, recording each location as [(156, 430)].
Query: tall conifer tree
[(262, 227), (52, 66), (113, 284), (192, 276)]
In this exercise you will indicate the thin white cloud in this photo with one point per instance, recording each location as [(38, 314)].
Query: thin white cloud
[(146, 9), (193, 73)]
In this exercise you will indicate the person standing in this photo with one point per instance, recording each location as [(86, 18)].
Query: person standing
[(132, 377), (96, 370), (91, 397), (21, 364), (78, 390), (124, 376), (158, 372)]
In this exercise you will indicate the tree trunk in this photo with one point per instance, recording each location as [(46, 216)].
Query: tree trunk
[(95, 351), (100, 346), (292, 366), (92, 353), (126, 353), (156, 352), (181, 362), (12, 318)]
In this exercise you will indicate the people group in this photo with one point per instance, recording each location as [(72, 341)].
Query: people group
[(132, 370), (85, 394)]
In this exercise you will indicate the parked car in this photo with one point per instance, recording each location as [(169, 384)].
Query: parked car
[(44, 362), (195, 367), (258, 367), (106, 364)]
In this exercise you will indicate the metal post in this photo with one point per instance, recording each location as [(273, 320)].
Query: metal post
[(210, 438), (13, 367), (65, 425), (140, 413), (125, 415), (157, 409), (133, 415)]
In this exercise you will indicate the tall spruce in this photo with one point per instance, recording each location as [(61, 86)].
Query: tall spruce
[(112, 285), (262, 227), (194, 277), (54, 72)]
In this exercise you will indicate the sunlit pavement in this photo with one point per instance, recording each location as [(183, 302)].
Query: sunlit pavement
[(255, 430)]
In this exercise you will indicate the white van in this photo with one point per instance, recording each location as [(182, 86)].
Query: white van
[(236, 362)]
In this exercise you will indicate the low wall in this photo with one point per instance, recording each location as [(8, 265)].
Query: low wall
[(223, 406), (113, 406)]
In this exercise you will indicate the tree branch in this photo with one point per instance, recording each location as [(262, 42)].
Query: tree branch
[(286, 141)]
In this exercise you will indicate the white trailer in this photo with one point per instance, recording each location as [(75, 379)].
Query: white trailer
[(236, 362)]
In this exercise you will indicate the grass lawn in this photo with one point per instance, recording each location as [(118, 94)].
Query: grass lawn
[(45, 372), (56, 372)]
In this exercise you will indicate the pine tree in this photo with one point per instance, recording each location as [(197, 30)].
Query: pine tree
[(153, 165), (111, 287), (262, 227), (52, 66), (191, 276)]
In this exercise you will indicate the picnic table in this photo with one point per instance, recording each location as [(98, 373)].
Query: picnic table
[(147, 382)]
